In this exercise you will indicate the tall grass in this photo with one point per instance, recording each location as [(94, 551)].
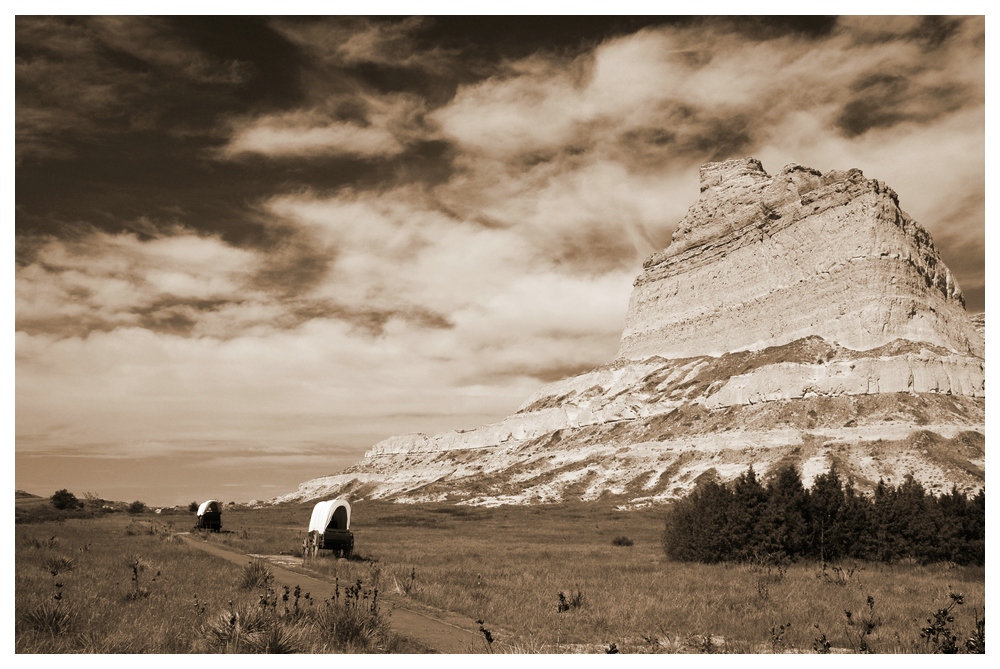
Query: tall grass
[(121, 588), (507, 566), (100, 586)]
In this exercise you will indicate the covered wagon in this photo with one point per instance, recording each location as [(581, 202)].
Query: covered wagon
[(210, 516), (330, 528)]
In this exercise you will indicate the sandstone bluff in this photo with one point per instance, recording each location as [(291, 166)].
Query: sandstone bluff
[(801, 317)]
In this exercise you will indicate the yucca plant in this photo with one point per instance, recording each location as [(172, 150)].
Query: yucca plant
[(255, 575)]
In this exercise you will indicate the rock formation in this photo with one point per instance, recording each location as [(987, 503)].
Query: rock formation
[(797, 318), (760, 261)]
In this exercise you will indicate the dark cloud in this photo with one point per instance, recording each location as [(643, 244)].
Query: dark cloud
[(883, 100), (294, 264), (105, 75), (510, 37), (929, 32), (114, 115), (591, 250), (273, 65), (935, 31), (373, 321), (773, 27)]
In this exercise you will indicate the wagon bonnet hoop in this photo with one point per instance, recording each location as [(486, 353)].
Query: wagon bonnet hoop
[(324, 512), (209, 506)]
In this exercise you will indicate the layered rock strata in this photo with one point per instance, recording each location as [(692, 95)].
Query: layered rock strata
[(802, 318), (760, 261)]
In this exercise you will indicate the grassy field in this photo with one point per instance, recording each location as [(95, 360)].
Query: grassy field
[(508, 566), (119, 583)]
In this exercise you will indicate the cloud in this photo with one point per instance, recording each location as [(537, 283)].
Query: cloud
[(591, 151), (683, 82), (82, 78), (345, 113), (103, 281), (377, 126), (350, 41)]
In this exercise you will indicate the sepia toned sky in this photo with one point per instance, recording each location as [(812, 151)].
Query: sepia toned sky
[(247, 249)]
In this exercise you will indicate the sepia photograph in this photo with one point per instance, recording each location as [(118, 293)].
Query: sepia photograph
[(499, 334)]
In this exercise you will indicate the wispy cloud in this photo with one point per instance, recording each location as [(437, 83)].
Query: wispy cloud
[(102, 281), (363, 125), (81, 78)]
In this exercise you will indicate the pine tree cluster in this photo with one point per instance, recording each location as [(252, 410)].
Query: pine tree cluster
[(748, 520)]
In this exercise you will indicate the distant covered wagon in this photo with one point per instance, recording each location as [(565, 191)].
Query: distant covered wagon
[(330, 528), (210, 516)]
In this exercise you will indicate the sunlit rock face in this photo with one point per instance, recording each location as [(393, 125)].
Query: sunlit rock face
[(802, 318), (761, 261)]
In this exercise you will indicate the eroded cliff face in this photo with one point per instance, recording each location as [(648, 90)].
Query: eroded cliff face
[(799, 318), (761, 261)]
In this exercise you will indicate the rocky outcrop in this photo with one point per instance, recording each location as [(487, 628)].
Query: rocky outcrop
[(979, 322), (798, 318), (761, 261)]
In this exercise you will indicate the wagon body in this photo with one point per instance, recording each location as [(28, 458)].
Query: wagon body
[(210, 516), (330, 527)]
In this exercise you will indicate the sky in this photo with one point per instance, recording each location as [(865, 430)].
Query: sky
[(247, 248)]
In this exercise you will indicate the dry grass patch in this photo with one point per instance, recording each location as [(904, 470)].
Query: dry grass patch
[(507, 567)]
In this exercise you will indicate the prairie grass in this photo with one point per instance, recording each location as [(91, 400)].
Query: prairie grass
[(99, 586), (111, 600), (123, 585), (508, 566)]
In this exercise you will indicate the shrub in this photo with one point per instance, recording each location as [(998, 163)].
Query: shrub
[(64, 499), (571, 602), (49, 618), (136, 507), (253, 628), (193, 507), (353, 621), (255, 575), (349, 621), (622, 541), (744, 520), (56, 564)]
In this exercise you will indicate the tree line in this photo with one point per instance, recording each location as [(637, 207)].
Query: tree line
[(750, 520)]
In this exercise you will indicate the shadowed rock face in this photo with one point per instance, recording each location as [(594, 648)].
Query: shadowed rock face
[(799, 318), (761, 261)]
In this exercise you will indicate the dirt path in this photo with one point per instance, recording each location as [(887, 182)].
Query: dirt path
[(431, 630)]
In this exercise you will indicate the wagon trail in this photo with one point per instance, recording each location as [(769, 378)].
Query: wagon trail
[(433, 630)]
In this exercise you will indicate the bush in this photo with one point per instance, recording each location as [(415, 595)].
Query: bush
[(136, 507), (255, 575), (193, 507), (747, 521), (350, 621), (622, 541), (64, 499)]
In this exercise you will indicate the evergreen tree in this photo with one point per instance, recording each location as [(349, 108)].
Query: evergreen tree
[(856, 525), (826, 505), (747, 520), (915, 523), (883, 521), (696, 526), (785, 519), (956, 515), (748, 502), (977, 528)]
